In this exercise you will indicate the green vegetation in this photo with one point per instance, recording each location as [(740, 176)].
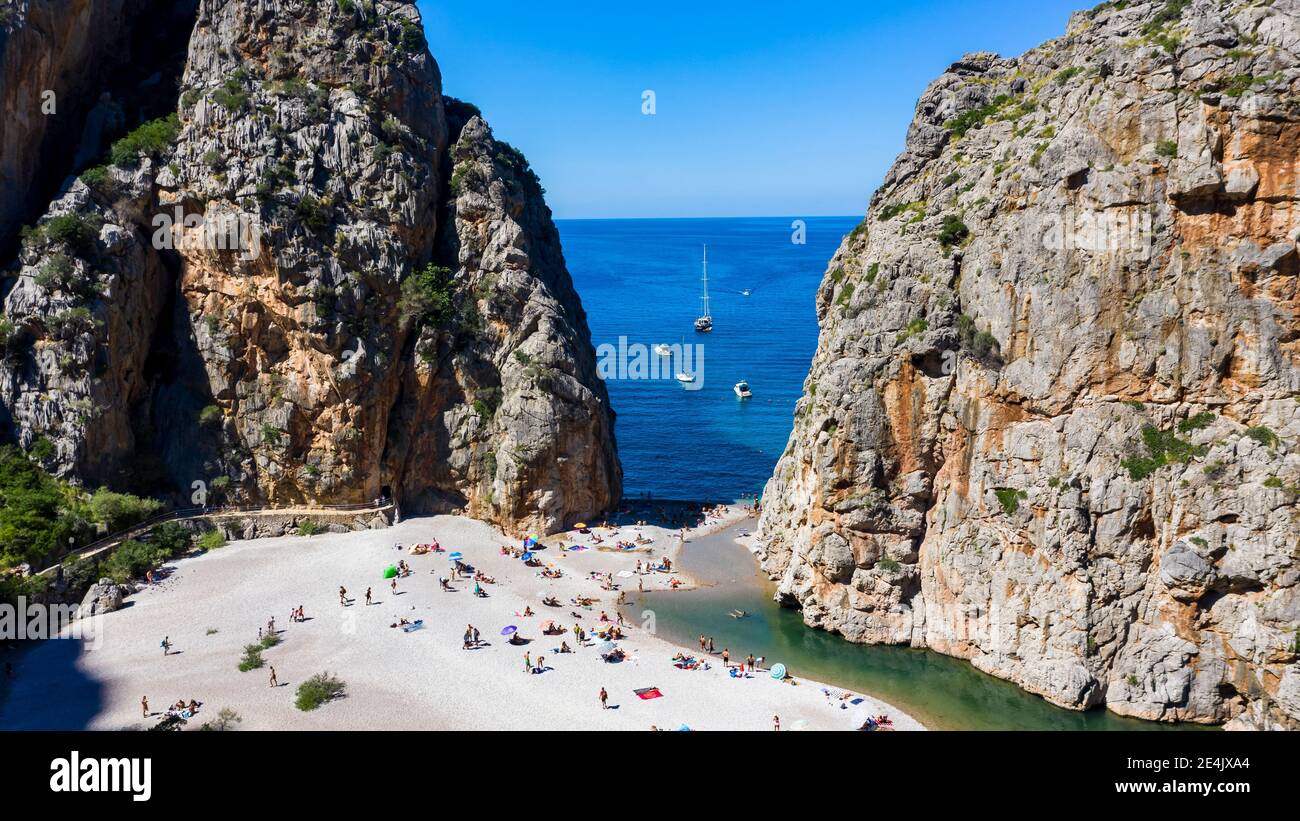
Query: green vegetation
[(96, 178), (1066, 74), (466, 173), (80, 232), (131, 560), (231, 95), (1197, 422), (313, 214), (952, 232), (226, 720), (1009, 498), (252, 659), (914, 328), (152, 140), (890, 211), (980, 344), (1167, 148), (888, 565), (308, 527), (121, 510), (210, 540), (1273, 482), (1132, 680), (317, 690), (1163, 448), (976, 117), (210, 416), (1263, 435), (38, 514), (426, 296), (411, 39)]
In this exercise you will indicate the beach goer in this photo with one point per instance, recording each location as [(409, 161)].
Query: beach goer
[(367, 597), (166, 645), (702, 642), (541, 664), (776, 723), (275, 682), (758, 664), (475, 636), (343, 596), (604, 699), (726, 657), (710, 644), (144, 705), (394, 586), (469, 637), (749, 660), (528, 663)]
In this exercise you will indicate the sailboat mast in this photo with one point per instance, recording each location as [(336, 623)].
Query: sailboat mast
[(706, 280)]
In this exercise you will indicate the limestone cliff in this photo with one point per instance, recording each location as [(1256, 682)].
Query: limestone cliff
[(1052, 425), (242, 280)]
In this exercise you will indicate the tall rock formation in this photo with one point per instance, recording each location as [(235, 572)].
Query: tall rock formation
[(321, 282), (1052, 425)]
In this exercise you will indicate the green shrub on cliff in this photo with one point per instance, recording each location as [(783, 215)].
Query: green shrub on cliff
[(153, 139), (37, 513), (426, 296), (132, 560)]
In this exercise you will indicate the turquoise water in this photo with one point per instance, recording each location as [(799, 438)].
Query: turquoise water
[(641, 279), (941, 692)]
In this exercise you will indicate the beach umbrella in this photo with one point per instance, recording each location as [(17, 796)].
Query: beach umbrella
[(579, 525), (455, 556), (390, 572), (778, 671), (606, 647), (526, 557), (509, 630)]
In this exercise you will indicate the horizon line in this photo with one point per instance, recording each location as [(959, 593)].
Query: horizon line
[(712, 217)]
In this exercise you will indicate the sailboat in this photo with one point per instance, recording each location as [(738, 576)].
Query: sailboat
[(704, 323)]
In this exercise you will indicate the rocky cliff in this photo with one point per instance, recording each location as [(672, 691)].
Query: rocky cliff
[(319, 281), (1052, 424)]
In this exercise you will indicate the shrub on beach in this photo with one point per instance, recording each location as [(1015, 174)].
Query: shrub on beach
[(252, 658), (132, 560), (211, 540), (226, 720), (317, 690), (307, 527)]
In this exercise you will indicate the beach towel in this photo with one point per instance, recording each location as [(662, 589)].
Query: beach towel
[(647, 693)]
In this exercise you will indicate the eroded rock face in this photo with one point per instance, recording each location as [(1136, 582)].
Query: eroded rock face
[(1052, 423), (261, 257)]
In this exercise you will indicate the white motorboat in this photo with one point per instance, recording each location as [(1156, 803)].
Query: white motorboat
[(663, 350), (742, 390), (685, 378)]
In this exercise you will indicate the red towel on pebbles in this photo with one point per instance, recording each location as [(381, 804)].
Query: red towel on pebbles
[(649, 692)]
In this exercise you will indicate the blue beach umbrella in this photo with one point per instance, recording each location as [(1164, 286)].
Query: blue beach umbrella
[(778, 671), (526, 557), (455, 556), (509, 630)]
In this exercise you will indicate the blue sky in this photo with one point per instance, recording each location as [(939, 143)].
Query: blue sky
[(763, 108)]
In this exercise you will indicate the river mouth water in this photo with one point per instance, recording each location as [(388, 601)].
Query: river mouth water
[(941, 692)]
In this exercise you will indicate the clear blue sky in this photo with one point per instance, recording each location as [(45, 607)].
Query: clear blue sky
[(764, 108)]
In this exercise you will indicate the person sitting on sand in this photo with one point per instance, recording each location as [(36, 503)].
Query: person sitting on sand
[(564, 647), (551, 601), (444, 583), (528, 611)]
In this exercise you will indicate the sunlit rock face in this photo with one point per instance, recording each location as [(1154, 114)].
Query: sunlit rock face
[(1051, 425), (236, 320)]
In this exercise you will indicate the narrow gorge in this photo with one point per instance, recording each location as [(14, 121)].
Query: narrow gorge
[(1052, 425), (278, 266)]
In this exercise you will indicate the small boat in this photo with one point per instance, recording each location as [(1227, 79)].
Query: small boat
[(742, 390), (663, 350), (685, 377), (746, 292), (738, 614), (704, 322)]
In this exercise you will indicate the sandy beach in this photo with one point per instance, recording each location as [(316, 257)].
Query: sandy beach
[(210, 606)]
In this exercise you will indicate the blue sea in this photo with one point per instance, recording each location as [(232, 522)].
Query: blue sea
[(640, 279)]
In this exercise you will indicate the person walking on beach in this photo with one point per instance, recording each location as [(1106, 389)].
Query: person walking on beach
[(701, 642), (275, 682), (394, 586), (367, 597), (726, 657), (343, 596), (710, 644), (749, 661), (604, 699), (167, 645), (528, 663), (144, 705), (476, 635), (776, 723)]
